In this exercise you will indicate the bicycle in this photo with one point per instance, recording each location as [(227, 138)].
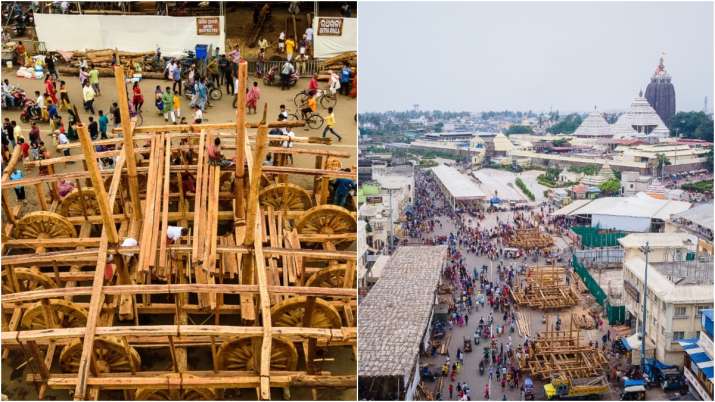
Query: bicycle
[(312, 119), (326, 99)]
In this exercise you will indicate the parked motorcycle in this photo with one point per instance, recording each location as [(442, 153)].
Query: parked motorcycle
[(215, 93), (273, 77), (15, 101), (30, 112)]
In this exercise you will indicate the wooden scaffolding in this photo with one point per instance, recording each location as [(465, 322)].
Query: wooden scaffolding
[(528, 239), (263, 285), (546, 288), (562, 353)]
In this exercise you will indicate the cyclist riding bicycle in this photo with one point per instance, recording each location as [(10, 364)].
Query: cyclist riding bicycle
[(309, 107)]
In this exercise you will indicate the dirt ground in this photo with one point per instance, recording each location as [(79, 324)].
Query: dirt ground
[(222, 111)]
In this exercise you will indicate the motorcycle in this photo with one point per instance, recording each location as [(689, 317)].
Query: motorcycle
[(30, 112), (15, 101), (215, 93), (272, 77), (481, 367)]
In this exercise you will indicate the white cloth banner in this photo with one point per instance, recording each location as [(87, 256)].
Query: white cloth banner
[(325, 46), (131, 33)]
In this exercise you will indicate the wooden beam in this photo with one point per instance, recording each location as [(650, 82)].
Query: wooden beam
[(239, 208), (310, 171), (222, 379), (195, 128), (96, 300), (179, 331), (98, 185)]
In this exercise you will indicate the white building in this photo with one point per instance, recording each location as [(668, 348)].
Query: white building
[(640, 120), (458, 187), (679, 289), (594, 126)]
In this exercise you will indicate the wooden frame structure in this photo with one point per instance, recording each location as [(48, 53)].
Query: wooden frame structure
[(546, 288), (261, 286), (562, 353), (528, 239)]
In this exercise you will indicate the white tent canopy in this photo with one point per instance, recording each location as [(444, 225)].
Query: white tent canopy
[(459, 186)]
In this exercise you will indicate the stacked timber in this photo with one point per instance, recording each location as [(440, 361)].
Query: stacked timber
[(336, 62)]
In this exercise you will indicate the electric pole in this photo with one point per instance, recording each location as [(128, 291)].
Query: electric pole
[(645, 250)]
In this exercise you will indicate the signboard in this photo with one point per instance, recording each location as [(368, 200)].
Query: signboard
[(332, 26), (632, 291), (374, 199), (207, 26)]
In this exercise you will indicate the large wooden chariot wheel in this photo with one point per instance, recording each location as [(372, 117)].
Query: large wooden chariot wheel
[(329, 278), (285, 196), (44, 225), (73, 204), (290, 313), (328, 219), (187, 394), (243, 353), (27, 279), (109, 354), (58, 313)]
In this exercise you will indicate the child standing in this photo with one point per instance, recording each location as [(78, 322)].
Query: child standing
[(330, 124), (103, 123), (177, 105)]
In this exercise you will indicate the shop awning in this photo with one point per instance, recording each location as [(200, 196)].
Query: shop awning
[(698, 356)]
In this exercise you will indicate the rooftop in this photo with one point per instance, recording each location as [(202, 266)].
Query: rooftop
[(594, 125), (666, 289), (701, 215), (640, 205), (460, 186), (658, 240), (396, 312)]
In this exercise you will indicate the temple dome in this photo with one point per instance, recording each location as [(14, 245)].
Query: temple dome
[(594, 125), (640, 120), (660, 93)]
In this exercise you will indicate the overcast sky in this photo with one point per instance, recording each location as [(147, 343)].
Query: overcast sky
[(531, 55)]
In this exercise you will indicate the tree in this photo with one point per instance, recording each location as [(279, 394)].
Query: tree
[(438, 127), (710, 160), (561, 142), (519, 129), (661, 163), (611, 186), (697, 125), (568, 125)]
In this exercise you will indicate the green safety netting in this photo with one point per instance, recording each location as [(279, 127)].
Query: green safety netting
[(616, 314), (596, 237)]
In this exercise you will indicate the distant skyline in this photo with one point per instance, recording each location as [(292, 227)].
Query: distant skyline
[(566, 56)]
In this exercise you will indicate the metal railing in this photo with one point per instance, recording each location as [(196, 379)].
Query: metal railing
[(310, 67)]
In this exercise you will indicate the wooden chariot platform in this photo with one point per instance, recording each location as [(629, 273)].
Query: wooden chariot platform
[(546, 288), (263, 285)]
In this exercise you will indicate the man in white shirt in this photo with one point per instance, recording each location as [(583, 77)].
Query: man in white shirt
[(62, 139), (289, 142), (88, 95)]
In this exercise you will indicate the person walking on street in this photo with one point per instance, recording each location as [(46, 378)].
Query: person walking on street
[(88, 96), (330, 125), (252, 97), (345, 74), (286, 72), (167, 99), (176, 77), (94, 80)]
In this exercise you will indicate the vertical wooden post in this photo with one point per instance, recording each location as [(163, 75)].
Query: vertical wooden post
[(259, 154), (98, 184), (240, 140), (128, 133)]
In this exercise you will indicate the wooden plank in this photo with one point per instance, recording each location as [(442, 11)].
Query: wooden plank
[(98, 185), (128, 134), (197, 201), (165, 211), (96, 300)]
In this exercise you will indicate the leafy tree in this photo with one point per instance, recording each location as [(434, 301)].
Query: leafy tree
[(696, 125), (568, 125), (610, 186), (438, 127), (710, 160), (561, 142), (661, 163), (519, 129)]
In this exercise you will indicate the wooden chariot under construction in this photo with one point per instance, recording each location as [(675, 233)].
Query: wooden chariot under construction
[(546, 288), (528, 239), (257, 296), (562, 354)]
